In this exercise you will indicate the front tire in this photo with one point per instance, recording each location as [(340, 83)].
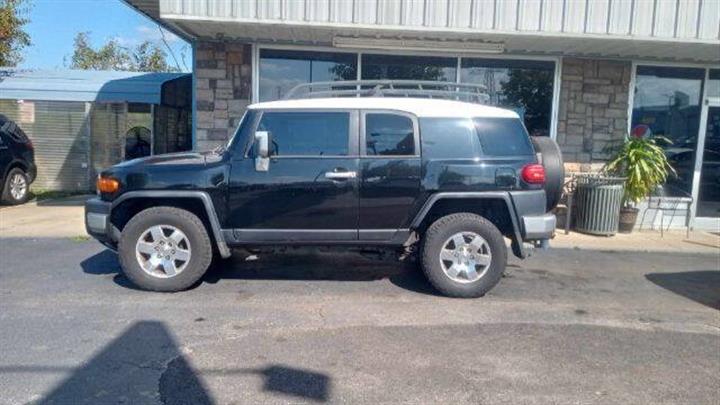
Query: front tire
[(463, 255), (164, 249), (16, 189)]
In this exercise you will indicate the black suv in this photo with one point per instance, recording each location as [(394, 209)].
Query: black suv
[(17, 163), (449, 180)]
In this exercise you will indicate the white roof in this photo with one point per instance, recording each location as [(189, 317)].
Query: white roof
[(420, 107)]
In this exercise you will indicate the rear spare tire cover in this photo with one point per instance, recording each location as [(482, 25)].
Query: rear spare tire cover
[(551, 159)]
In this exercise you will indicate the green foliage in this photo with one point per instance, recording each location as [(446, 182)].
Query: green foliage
[(146, 57), (532, 89), (644, 165), (13, 38)]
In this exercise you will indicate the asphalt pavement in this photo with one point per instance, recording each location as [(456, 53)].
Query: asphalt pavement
[(566, 326)]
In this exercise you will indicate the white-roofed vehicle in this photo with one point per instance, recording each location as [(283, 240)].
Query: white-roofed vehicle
[(394, 165)]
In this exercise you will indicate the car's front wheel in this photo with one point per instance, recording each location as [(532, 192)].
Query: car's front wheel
[(164, 249), (16, 189), (463, 255)]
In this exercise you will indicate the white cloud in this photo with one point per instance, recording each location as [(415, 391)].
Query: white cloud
[(146, 33)]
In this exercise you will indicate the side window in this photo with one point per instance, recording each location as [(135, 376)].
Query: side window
[(307, 133), (389, 135), (503, 137), (448, 138)]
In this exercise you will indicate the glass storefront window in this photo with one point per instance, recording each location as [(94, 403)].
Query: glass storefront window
[(281, 70), (401, 67), (667, 99), (525, 86), (713, 90)]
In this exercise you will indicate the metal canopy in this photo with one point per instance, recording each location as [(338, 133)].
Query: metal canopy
[(83, 85)]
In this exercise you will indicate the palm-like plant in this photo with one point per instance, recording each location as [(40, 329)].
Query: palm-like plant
[(644, 165)]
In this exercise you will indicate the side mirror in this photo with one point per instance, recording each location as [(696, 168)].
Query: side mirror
[(262, 143)]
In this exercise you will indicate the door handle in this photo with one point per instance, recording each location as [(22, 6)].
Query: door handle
[(340, 175)]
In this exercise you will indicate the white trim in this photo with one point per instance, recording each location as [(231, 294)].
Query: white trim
[(557, 60), (631, 97)]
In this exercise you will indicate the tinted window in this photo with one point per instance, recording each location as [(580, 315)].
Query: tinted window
[(525, 86), (242, 137), (306, 133), (281, 70), (448, 138), (408, 67), (389, 134), (503, 137)]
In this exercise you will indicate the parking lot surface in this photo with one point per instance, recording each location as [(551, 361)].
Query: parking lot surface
[(566, 326)]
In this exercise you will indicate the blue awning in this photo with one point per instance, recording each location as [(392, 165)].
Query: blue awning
[(83, 85)]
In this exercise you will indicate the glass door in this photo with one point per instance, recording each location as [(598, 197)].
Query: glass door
[(708, 197)]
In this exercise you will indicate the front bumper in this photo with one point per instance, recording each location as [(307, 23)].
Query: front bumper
[(97, 221)]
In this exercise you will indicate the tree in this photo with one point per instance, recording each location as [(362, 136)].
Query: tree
[(13, 38), (532, 89), (146, 57)]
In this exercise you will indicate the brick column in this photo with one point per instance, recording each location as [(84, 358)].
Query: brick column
[(223, 77), (593, 110)]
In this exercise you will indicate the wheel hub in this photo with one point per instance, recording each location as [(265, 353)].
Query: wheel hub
[(163, 251), (465, 257)]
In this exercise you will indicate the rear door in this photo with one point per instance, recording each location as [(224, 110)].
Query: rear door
[(310, 190), (389, 172)]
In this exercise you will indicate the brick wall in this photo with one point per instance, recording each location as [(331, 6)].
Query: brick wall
[(593, 110), (222, 90)]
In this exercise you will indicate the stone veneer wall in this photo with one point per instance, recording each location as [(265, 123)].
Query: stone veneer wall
[(223, 77), (593, 110)]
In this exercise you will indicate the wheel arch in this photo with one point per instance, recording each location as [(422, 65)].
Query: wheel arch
[(198, 202), (495, 206)]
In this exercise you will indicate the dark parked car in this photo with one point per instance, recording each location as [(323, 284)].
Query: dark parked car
[(447, 180), (17, 162)]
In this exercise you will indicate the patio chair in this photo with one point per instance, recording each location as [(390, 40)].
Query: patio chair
[(669, 199)]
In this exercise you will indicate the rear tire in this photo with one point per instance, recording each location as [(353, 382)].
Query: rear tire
[(155, 232), (470, 231), (16, 189), (552, 161)]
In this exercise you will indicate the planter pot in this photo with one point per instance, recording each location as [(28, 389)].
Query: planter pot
[(628, 217)]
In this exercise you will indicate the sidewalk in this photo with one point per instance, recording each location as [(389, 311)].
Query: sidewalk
[(57, 218), (64, 218)]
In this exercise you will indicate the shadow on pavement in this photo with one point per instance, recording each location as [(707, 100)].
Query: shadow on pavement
[(65, 201), (311, 265), (144, 365), (700, 286)]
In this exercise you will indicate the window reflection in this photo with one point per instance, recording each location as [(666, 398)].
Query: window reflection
[(281, 70), (401, 67), (389, 135), (522, 85), (667, 99)]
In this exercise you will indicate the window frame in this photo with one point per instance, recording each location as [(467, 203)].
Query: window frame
[(352, 132), (416, 134)]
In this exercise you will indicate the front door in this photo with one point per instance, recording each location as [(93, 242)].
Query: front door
[(310, 190), (708, 190)]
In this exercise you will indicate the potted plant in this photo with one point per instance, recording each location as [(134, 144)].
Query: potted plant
[(644, 165)]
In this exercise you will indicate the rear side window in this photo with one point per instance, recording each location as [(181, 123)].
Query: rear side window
[(503, 137), (448, 138), (307, 133), (389, 135)]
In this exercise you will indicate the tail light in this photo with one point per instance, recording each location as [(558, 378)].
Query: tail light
[(30, 144), (533, 174)]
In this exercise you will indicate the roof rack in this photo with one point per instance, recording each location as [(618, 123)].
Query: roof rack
[(473, 93)]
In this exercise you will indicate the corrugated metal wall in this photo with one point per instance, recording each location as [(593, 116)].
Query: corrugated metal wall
[(59, 133), (681, 19)]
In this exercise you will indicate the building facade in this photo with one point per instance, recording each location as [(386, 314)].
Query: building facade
[(583, 72)]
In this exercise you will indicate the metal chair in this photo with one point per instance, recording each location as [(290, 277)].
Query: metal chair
[(668, 198)]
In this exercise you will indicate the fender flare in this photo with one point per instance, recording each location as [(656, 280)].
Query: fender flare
[(201, 195), (479, 195)]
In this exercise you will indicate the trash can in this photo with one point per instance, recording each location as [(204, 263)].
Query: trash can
[(598, 203)]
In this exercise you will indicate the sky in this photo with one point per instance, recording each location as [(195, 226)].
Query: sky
[(54, 23)]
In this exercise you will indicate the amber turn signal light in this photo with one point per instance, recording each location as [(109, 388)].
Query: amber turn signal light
[(107, 185)]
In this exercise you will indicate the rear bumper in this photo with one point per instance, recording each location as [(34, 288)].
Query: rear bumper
[(538, 227), (535, 224), (97, 221)]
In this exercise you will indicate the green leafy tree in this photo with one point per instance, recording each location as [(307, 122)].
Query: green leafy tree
[(531, 89), (146, 57), (13, 38)]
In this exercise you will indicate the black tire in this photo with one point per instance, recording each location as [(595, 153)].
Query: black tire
[(554, 169), (436, 236), (199, 241), (7, 196)]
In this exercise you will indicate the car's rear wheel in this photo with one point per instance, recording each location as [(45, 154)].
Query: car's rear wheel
[(463, 255), (164, 249), (17, 187)]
